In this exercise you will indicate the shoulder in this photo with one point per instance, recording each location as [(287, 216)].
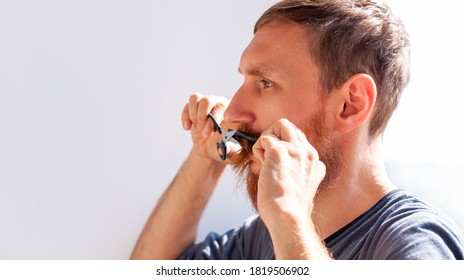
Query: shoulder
[(250, 241), (411, 228)]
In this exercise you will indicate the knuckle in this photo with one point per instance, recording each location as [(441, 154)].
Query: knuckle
[(296, 152), (312, 153), (313, 157)]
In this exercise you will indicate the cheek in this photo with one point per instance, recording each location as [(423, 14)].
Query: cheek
[(299, 110), (292, 111), (296, 107), (270, 112)]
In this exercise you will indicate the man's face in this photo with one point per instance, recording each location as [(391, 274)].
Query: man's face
[(280, 81)]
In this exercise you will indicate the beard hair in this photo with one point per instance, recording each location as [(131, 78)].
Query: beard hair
[(329, 153), (317, 133), (241, 165)]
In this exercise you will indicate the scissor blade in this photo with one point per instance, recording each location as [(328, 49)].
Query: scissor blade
[(229, 136), (238, 135)]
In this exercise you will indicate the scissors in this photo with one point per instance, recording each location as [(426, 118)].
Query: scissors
[(231, 135)]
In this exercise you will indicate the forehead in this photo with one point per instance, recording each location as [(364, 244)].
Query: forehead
[(277, 47)]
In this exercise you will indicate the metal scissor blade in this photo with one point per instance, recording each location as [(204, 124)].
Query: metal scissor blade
[(238, 135), (229, 136)]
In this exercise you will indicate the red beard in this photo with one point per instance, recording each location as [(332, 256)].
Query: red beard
[(317, 134)]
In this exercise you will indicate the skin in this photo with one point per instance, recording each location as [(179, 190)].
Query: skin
[(278, 97)]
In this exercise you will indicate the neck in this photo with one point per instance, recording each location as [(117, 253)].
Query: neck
[(364, 181)]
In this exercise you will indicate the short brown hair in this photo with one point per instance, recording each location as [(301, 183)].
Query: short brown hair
[(349, 37)]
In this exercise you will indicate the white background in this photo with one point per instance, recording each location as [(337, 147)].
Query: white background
[(90, 98)]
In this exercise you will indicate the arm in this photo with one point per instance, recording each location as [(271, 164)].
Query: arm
[(296, 239), (172, 226), (289, 174)]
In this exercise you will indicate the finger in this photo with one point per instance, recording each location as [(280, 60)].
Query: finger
[(220, 105), (258, 150), (219, 108), (263, 145), (208, 129), (193, 107), (205, 106), (186, 123), (284, 130)]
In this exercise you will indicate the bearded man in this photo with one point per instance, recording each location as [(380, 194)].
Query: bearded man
[(321, 80)]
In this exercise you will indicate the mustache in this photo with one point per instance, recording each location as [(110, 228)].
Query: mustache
[(241, 160), (250, 136)]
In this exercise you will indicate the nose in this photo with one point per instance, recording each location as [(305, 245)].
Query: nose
[(240, 109)]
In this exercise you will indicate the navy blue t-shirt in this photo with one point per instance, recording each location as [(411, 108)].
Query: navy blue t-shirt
[(399, 226)]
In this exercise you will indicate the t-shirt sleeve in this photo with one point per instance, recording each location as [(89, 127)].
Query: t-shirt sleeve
[(421, 235), (250, 241), (215, 247)]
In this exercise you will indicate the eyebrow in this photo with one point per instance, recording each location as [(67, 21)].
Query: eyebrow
[(256, 71)]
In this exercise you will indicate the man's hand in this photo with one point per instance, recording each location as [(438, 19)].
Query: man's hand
[(195, 118), (289, 174), (290, 170)]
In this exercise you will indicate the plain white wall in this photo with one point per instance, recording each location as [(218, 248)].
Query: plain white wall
[(90, 98)]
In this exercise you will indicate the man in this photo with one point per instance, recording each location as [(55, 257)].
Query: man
[(321, 80)]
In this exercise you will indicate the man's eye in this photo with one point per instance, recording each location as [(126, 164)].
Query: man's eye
[(266, 84)]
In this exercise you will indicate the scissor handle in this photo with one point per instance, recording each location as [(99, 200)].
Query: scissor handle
[(222, 145), (217, 127)]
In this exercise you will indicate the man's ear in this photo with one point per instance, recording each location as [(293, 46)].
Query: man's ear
[(355, 103)]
